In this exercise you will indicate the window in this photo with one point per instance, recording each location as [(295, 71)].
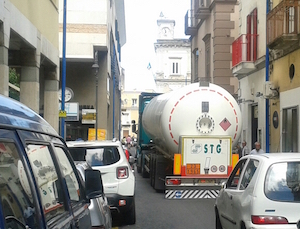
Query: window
[(252, 36), (207, 56), (291, 22), (207, 59), (283, 182), (134, 102), (196, 64), (234, 178), (96, 156), (249, 173), (69, 174), (15, 191), (290, 130), (47, 180), (175, 66)]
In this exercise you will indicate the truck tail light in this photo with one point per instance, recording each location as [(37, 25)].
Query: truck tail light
[(259, 219), (173, 182), (122, 173)]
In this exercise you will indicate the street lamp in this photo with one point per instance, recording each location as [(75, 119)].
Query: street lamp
[(95, 68)]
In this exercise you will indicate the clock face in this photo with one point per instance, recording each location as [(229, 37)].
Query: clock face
[(68, 94), (165, 31)]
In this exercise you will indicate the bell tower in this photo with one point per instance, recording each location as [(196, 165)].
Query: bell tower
[(165, 28)]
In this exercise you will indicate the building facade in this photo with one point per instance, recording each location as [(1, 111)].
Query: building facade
[(29, 56), (95, 32), (173, 57), (249, 66), (283, 23), (212, 26)]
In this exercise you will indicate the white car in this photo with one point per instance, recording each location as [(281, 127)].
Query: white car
[(263, 191), (118, 179)]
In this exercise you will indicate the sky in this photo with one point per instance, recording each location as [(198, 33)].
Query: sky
[(141, 34)]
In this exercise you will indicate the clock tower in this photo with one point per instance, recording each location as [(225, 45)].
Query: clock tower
[(165, 28)]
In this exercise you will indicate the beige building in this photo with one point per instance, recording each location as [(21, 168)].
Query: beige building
[(212, 25), (130, 112), (95, 34), (29, 52), (283, 23)]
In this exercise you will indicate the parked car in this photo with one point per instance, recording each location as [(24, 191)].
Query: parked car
[(99, 209), (263, 191), (118, 179), (39, 184)]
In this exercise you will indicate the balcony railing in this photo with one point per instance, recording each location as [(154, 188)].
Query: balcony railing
[(283, 24), (191, 23), (244, 49)]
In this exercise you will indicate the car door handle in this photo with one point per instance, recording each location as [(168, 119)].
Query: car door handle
[(230, 197)]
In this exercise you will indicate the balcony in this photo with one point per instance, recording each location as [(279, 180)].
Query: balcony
[(283, 25), (244, 54), (202, 9), (191, 23)]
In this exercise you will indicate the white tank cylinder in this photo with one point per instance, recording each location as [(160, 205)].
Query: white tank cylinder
[(193, 110)]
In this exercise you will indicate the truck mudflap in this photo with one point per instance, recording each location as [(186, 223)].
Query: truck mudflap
[(178, 187)]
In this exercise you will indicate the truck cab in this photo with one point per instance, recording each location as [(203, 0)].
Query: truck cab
[(39, 184)]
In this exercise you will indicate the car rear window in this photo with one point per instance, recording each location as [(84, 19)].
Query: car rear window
[(283, 182), (96, 156)]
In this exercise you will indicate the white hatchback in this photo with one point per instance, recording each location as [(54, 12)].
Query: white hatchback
[(118, 179), (263, 191)]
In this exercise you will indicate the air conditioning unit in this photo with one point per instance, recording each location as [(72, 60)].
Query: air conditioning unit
[(269, 90)]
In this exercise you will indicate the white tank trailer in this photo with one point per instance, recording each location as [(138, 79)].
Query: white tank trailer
[(193, 131), (192, 110)]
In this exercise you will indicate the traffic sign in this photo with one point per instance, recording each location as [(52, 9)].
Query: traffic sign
[(62, 114)]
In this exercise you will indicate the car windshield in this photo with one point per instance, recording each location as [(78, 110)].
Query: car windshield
[(283, 182), (96, 156)]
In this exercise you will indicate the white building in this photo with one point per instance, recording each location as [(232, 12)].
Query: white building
[(173, 58), (248, 65)]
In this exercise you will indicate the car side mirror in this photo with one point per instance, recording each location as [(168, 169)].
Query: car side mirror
[(93, 183), (131, 160), (224, 185)]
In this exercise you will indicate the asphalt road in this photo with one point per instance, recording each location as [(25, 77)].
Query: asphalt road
[(155, 212)]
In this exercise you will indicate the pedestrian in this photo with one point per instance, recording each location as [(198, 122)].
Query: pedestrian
[(245, 150), (257, 149), (128, 141)]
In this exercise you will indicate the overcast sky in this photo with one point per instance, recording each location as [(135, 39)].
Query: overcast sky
[(141, 34)]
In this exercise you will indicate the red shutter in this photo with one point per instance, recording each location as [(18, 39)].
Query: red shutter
[(248, 37), (255, 34)]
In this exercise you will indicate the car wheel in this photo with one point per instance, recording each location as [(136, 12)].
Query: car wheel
[(218, 222), (130, 215)]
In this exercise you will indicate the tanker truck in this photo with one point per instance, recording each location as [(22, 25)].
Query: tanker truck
[(189, 134)]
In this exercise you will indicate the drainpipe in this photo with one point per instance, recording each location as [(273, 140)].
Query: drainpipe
[(114, 85), (267, 79)]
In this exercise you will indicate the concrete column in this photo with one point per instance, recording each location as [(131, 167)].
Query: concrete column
[(30, 87), (4, 71), (51, 103)]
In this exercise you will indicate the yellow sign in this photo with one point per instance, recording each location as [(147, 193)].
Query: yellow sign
[(92, 134), (62, 114)]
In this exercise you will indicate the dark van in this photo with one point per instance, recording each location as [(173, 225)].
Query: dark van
[(39, 183)]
